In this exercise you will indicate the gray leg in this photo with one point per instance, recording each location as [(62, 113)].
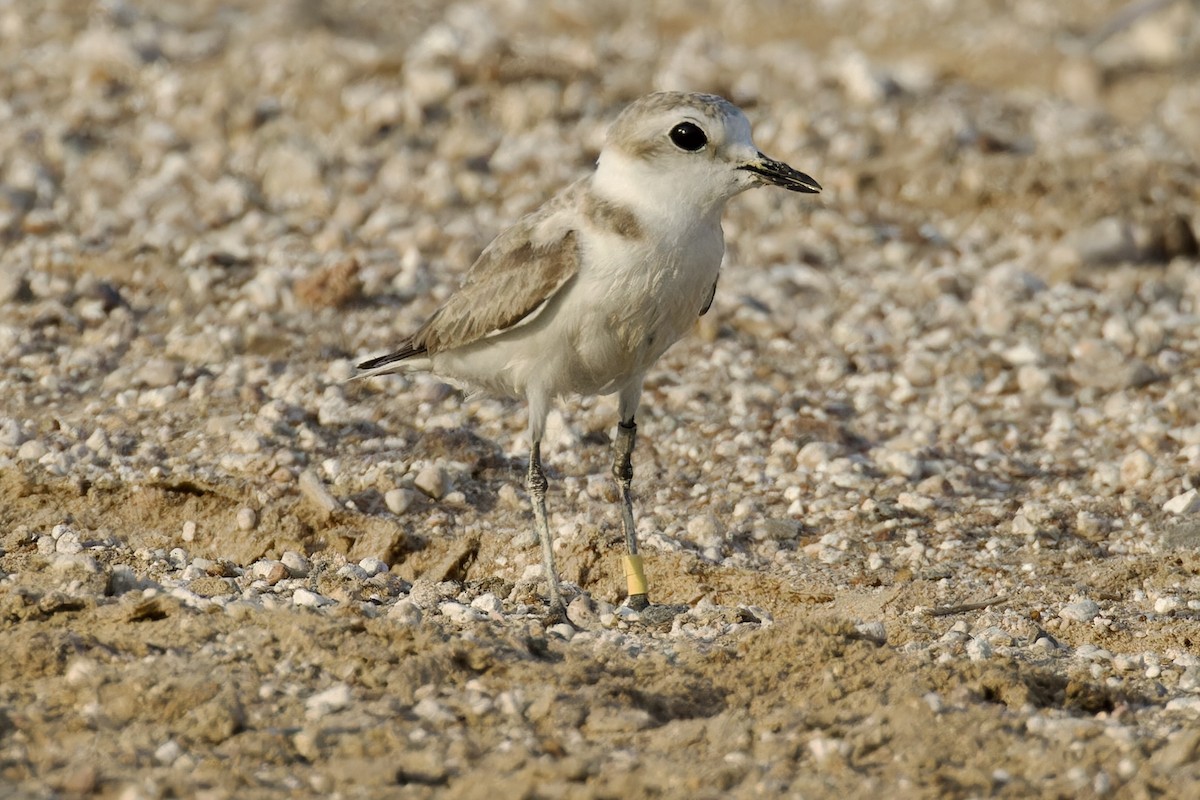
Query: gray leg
[(535, 483), (622, 469)]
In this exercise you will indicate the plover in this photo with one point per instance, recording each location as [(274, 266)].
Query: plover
[(583, 295)]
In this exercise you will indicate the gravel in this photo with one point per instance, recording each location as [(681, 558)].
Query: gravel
[(919, 498)]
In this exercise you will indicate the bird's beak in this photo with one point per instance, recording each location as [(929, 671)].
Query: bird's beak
[(780, 174)]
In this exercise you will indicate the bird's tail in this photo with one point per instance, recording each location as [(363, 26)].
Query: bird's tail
[(407, 359)]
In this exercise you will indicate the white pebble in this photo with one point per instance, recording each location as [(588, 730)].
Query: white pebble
[(1080, 611), (911, 501), (68, 543), (32, 450), (1166, 604), (335, 698), (458, 612), (706, 530), (81, 670), (373, 566), (874, 631), (267, 570), (823, 747), (168, 752), (432, 481), (978, 649), (399, 500), (247, 518), (1186, 503), (431, 710), (189, 531), (406, 612), (309, 599), (297, 565), (488, 603), (562, 630), (311, 486), (353, 572)]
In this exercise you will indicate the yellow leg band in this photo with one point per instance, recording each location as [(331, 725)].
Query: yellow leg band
[(635, 577)]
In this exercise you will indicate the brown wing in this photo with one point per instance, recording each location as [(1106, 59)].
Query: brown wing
[(514, 277)]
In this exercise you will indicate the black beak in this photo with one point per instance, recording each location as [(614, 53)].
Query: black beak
[(781, 174)]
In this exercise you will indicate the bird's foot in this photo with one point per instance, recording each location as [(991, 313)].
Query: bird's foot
[(638, 602), (556, 614), (654, 615)]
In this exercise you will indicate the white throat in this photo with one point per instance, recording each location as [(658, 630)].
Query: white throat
[(660, 197)]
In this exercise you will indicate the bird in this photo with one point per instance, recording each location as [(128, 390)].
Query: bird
[(584, 294)]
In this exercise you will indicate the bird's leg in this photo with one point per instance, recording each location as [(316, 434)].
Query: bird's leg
[(622, 469), (535, 483)]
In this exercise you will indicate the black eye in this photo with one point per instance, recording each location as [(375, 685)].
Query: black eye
[(688, 136)]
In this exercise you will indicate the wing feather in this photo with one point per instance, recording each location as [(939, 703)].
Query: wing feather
[(511, 280)]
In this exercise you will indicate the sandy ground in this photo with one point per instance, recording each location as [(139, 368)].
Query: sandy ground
[(919, 497)]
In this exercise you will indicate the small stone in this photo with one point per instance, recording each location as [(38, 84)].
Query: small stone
[(335, 698), (68, 543), (910, 501), (272, 572), (352, 572), (80, 671), (706, 530), (11, 434), (488, 603), (305, 598), (168, 752), (1166, 604), (432, 481), (978, 649), (901, 463), (189, 531), (1080, 611), (457, 612), (815, 455), (1186, 503), (1126, 663), (373, 566), (291, 178), (581, 611), (1135, 468), (563, 630), (314, 491), (122, 579), (1108, 241), (875, 632), (1033, 379), (399, 501), (424, 593), (1090, 525), (157, 373), (32, 450), (247, 519), (431, 710), (297, 565), (405, 611)]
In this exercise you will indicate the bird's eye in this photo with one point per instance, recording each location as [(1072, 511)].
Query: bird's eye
[(688, 136)]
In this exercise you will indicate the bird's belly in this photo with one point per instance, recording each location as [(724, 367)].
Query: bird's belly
[(602, 332)]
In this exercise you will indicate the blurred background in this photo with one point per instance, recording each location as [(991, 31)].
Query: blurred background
[(205, 133)]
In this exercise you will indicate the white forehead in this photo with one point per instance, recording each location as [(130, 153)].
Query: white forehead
[(642, 126)]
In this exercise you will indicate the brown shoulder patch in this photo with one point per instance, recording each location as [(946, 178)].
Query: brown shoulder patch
[(611, 217)]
